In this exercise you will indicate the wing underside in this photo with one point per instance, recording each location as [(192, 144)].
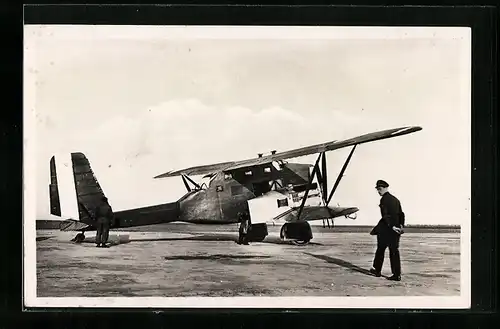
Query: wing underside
[(310, 213), (198, 170), (284, 206), (303, 151)]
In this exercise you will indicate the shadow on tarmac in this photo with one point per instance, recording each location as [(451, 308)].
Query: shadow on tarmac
[(210, 237), (216, 237), (213, 257), (343, 263), (200, 237)]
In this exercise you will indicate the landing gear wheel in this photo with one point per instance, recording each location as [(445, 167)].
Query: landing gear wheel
[(298, 234), (300, 242), (282, 232), (79, 238), (258, 239)]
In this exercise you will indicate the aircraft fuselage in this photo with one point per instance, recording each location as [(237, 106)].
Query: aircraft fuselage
[(227, 195), (218, 203)]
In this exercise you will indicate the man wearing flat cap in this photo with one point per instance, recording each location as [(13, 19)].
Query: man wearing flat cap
[(388, 232)]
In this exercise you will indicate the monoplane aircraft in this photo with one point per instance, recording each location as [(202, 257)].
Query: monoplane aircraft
[(267, 187)]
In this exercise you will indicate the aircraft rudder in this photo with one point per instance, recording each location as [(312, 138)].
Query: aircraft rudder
[(88, 190), (55, 202), (78, 155)]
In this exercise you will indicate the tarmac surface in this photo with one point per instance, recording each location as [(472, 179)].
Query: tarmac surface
[(184, 261)]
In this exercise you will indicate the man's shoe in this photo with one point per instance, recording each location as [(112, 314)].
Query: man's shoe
[(394, 278), (105, 246), (375, 272), (98, 245)]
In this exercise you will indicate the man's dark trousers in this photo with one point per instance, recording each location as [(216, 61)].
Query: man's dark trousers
[(389, 239), (102, 230)]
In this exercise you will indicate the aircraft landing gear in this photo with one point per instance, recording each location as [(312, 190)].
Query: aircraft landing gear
[(299, 233), (79, 237), (300, 242), (257, 233)]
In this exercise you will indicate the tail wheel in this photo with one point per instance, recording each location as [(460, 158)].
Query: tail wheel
[(79, 237)]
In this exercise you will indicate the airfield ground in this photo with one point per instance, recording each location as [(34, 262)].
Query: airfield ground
[(186, 260)]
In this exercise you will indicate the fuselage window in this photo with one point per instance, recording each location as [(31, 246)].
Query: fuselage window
[(282, 203), (267, 169), (248, 173)]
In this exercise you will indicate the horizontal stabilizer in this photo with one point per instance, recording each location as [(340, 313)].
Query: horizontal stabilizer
[(72, 225)]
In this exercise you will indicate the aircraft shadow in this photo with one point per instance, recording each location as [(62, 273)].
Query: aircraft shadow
[(214, 257), (271, 240), (343, 263), (203, 237)]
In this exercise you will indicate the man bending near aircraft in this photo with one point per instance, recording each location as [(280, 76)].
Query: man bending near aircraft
[(388, 232), (104, 216), (244, 225)]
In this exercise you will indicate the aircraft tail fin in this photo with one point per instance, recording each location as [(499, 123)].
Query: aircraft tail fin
[(55, 201), (73, 190), (88, 190)]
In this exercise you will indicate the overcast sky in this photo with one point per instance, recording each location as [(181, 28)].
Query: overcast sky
[(140, 102)]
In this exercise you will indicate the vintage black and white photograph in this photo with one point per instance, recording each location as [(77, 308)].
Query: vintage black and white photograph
[(235, 166)]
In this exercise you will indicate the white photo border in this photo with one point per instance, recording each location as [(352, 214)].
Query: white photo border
[(227, 32)]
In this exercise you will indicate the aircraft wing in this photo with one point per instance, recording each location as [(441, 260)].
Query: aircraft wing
[(311, 213), (308, 150), (198, 170), (275, 206)]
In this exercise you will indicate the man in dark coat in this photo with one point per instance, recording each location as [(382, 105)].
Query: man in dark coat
[(388, 232), (104, 216), (244, 226)]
